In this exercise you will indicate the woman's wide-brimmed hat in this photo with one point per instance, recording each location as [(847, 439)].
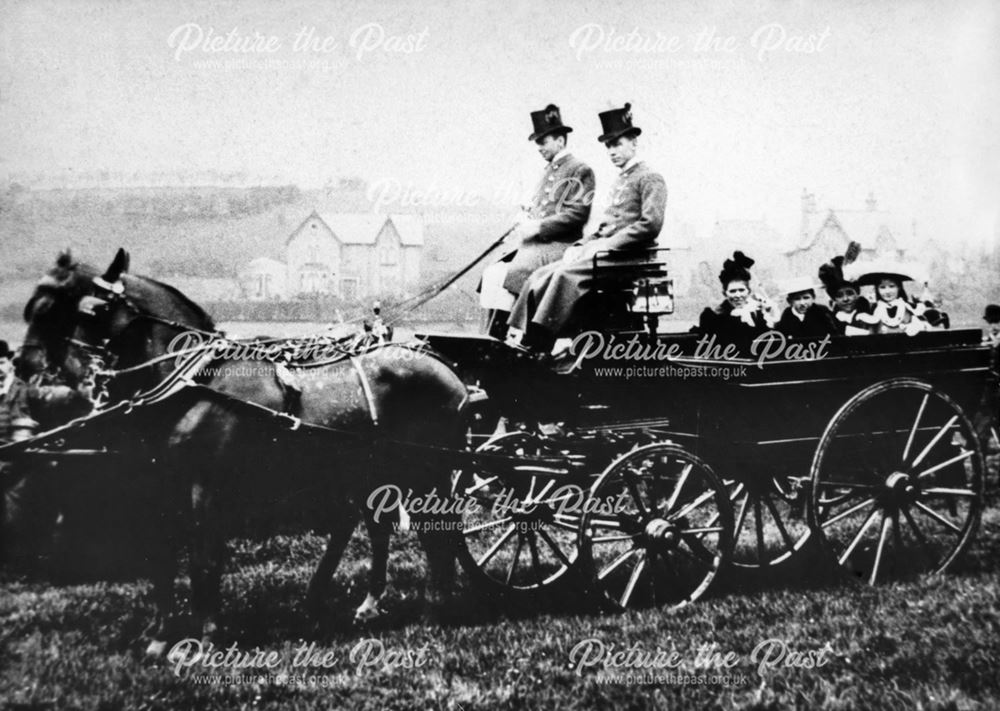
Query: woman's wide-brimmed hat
[(872, 272)]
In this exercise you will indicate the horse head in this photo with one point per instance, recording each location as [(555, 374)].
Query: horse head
[(51, 316), (76, 313)]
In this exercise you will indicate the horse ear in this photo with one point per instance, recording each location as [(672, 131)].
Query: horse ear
[(118, 266), (65, 259)]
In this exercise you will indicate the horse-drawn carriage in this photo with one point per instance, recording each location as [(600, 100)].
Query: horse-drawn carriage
[(640, 468), (679, 460)]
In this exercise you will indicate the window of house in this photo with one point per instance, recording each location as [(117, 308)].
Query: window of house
[(349, 288), (387, 256)]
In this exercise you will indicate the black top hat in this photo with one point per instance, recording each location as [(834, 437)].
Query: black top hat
[(736, 269), (547, 121), (992, 313), (5, 351), (616, 123)]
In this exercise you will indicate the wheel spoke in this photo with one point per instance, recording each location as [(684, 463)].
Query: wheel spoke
[(957, 458), (616, 563), (535, 561), (844, 514), (479, 484), (732, 497), (759, 526), (937, 517), (703, 529), (569, 522), (789, 541), (886, 521), (555, 548), (916, 424), (943, 491), (930, 445), (741, 517), (517, 557), (857, 538), (627, 475), (489, 524), (613, 524), (698, 550), (925, 545), (849, 485), (681, 481), (611, 539), (636, 572), (693, 505), (488, 555)]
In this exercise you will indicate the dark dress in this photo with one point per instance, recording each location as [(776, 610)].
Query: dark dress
[(816, 323), (862, 306), (727, 328)]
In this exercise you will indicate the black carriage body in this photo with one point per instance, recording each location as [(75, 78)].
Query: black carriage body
[(741, 414)]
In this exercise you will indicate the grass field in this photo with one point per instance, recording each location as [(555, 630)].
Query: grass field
[(931, 644)]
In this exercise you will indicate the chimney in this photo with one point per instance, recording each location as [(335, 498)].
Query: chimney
[(808, 208), (871, 202)]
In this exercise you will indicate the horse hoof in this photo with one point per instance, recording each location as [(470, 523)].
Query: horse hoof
[(156, 649), (368, 611)]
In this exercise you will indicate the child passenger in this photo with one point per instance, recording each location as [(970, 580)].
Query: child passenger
[(894, 312), (804, 318), (850, 309)]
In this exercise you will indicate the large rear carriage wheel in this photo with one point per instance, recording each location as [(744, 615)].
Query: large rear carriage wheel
[(658, 530), (897, 482)]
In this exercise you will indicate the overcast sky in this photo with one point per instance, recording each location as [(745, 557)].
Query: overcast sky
[(840, 97)]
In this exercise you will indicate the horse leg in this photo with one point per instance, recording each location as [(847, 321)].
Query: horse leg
[(439, 547), (379, 534), (208, 556), (341, 528), (160, 632)]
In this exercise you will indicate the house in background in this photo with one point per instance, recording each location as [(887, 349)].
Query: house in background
[(881, 234), (354, 255), (264, 279), (349, 255)]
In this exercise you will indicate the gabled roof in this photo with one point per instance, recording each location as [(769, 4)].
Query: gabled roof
[(364, 227), (873, 229)]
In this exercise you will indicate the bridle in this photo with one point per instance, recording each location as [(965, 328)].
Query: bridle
[(101, 359)]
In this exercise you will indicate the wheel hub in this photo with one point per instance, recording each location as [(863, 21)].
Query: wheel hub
[(662, 533), (899, 489)]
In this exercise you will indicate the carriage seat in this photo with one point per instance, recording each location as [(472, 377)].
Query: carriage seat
[(632, 289)]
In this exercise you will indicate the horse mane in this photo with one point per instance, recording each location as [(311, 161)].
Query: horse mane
[(206, 321)]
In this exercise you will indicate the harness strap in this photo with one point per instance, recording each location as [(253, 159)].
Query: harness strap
[(366, 388)]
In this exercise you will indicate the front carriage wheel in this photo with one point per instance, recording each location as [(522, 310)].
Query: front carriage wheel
[(517, 537), (897, 482), (658, 530)]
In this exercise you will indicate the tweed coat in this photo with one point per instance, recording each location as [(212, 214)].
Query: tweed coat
[(562, 202), (633, 220)]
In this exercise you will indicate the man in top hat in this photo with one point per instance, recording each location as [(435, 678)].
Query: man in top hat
[(554, 220), (632, 220)]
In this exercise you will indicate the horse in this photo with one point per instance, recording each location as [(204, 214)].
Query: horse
[(219, 461)]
